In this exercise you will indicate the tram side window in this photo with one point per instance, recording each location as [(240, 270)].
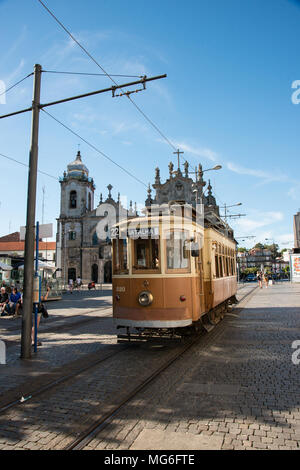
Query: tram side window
[(178, 257), (217, 266), (120, 264), (146, 254), (221, 266), (227, 266)]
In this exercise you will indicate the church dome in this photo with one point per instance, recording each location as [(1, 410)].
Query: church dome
[(77, 168)]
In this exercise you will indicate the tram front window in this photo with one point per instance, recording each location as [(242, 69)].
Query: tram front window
[(178, 257), (120, 264), (146, 254)]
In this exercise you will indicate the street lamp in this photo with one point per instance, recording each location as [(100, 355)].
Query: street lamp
[(217, 167), (199, 178)]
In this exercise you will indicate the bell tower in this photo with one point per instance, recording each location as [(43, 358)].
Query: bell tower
[(77, 190), (77, 199)]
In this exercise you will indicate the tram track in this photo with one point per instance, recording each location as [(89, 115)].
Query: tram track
[(100, 423), (58, 319), (86, 437), (60, 380), (62, 328)]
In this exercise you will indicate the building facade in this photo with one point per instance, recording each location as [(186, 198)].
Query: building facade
[(297, 230), (12, 246), (81, 252)]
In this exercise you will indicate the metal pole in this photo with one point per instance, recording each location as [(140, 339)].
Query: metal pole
[(30, 220), (36, 276)]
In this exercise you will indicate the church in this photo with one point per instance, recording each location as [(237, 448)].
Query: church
[(79, 251)]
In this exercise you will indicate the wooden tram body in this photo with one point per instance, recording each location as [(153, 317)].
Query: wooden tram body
[(161, 285)]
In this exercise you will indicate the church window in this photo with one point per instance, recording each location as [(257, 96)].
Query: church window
[(73, 200), (95, 240), (90, 202), (72, 235)]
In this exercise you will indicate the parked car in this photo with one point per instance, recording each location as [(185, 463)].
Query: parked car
[(251, 277)]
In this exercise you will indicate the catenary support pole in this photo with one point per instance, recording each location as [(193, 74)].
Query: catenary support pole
[(30, 220)]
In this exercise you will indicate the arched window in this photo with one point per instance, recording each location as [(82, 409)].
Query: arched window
[(90, 202), (73, 200)]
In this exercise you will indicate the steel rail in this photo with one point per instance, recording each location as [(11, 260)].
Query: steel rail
[(55, 320), (58, 328), (60, 380), (87, 436)]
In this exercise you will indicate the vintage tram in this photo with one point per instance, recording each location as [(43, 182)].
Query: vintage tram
[(174, 268), (170, 277)]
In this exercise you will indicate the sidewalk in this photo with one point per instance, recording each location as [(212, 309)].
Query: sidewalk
[(78, 326), (241, 392)]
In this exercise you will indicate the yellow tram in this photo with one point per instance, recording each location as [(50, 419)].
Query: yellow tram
[(173, 271)]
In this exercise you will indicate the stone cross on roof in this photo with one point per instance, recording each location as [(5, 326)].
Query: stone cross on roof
[(178, 157)]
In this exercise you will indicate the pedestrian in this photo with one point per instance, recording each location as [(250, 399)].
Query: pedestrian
[(71, 286), (78, 281), (4, 302), (259, 278), (42, 311), (266, 279), (15, 302)]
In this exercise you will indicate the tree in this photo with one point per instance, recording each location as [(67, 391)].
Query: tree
[(259, 245)]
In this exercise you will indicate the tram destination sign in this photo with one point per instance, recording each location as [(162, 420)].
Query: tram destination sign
[(136, 232)]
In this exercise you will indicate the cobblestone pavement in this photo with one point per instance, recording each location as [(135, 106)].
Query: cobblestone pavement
[(78, 325), (241, 392), (236, 389)]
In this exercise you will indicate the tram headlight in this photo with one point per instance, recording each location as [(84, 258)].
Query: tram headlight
[(145, 298)]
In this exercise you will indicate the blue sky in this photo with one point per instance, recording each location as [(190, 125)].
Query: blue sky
[(227, 100)]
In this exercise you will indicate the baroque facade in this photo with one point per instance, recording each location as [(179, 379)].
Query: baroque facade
[(80, 251)]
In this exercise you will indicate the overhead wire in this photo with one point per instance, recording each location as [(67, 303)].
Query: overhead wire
[(95, 148), (91, 74), (13, 86), (106, 73), (27, 166)]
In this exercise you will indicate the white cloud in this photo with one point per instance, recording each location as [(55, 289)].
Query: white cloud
[(200, 152), (266, 176), (259, 219)]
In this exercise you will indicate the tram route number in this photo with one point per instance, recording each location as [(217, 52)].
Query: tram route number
[(134, 233)]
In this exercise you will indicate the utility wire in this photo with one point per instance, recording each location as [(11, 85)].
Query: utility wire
[(13, 86), (27, 166), (91, 74), (104, 71), (95, 148)]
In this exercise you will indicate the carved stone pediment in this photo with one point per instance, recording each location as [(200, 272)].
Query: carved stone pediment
[(175, 189)]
